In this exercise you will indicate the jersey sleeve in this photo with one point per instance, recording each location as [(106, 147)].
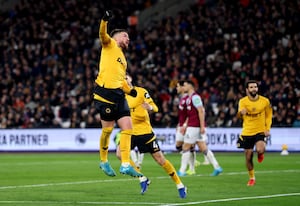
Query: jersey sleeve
[(240, 107), (126, 88), (150, 101), (269, 114), (103, 35), (197, 101)]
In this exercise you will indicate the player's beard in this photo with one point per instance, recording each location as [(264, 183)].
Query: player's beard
[(124, 46), (253, 94)]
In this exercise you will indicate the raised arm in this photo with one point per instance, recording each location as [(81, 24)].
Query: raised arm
[(103, 35)]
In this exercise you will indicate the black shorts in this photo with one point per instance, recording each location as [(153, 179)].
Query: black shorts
[(109, 111), (145, 143), (248, 142)]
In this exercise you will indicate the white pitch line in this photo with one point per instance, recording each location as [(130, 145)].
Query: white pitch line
[(147, 203), (63, 183), (122, 180), (233, 199), (44, 163), (35, 202), (77, 203)]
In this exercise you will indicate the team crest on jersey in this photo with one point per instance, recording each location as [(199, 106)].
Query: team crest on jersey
[(119, 60), (108, 110), (147, 95), (197, 101)]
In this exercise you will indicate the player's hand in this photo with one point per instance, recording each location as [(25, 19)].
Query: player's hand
[(107, 15), (147, 106), (182, 130), (267, 133), (243, 111), (133, 93), (202, 130)]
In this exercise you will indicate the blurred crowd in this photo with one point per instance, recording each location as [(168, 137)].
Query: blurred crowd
[(49, 55)]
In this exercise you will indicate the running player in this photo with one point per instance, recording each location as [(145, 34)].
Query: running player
[(144, 137), (256, 113)]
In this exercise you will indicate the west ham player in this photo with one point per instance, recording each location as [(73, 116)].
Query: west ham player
[(180, 130), (195, 130)]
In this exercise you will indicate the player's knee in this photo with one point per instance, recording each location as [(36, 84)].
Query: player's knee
[(107, 130), (260, 150), (192, 149), (179, 148), (185, 150), (126, 132), (161, 161)]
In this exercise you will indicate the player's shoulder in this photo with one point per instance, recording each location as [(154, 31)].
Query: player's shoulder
[(195, 95), (244, 99), (142, 91), (196, 99), (139, 89), (264, 99)]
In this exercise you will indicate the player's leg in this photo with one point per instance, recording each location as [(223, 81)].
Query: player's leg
[(144, 181), (133, 155), (107, 123), (185, 158), (107, 128), (124, 122), (179, 140), (205, 162), (125, 141), (260, 146), (209, 154), (140, 141), (250, 166), (192, 161), (190, 138), (260, 149), (248, 145), (170, 170), (179, 143), (140, 159)]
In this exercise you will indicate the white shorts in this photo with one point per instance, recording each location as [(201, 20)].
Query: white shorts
[(179, 137), (192, 135), (202, 138)]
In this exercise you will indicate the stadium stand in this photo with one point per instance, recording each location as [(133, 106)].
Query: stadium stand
[(49, 52)]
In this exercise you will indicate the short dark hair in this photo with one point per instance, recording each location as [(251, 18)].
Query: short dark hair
[(115, 31), (181, 82), (251, 81), (190, 82)]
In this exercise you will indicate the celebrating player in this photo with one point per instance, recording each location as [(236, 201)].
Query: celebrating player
[(144, 138), (109, 97), (256, 113)]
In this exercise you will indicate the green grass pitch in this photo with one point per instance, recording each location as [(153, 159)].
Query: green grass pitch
[(63, 179)]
